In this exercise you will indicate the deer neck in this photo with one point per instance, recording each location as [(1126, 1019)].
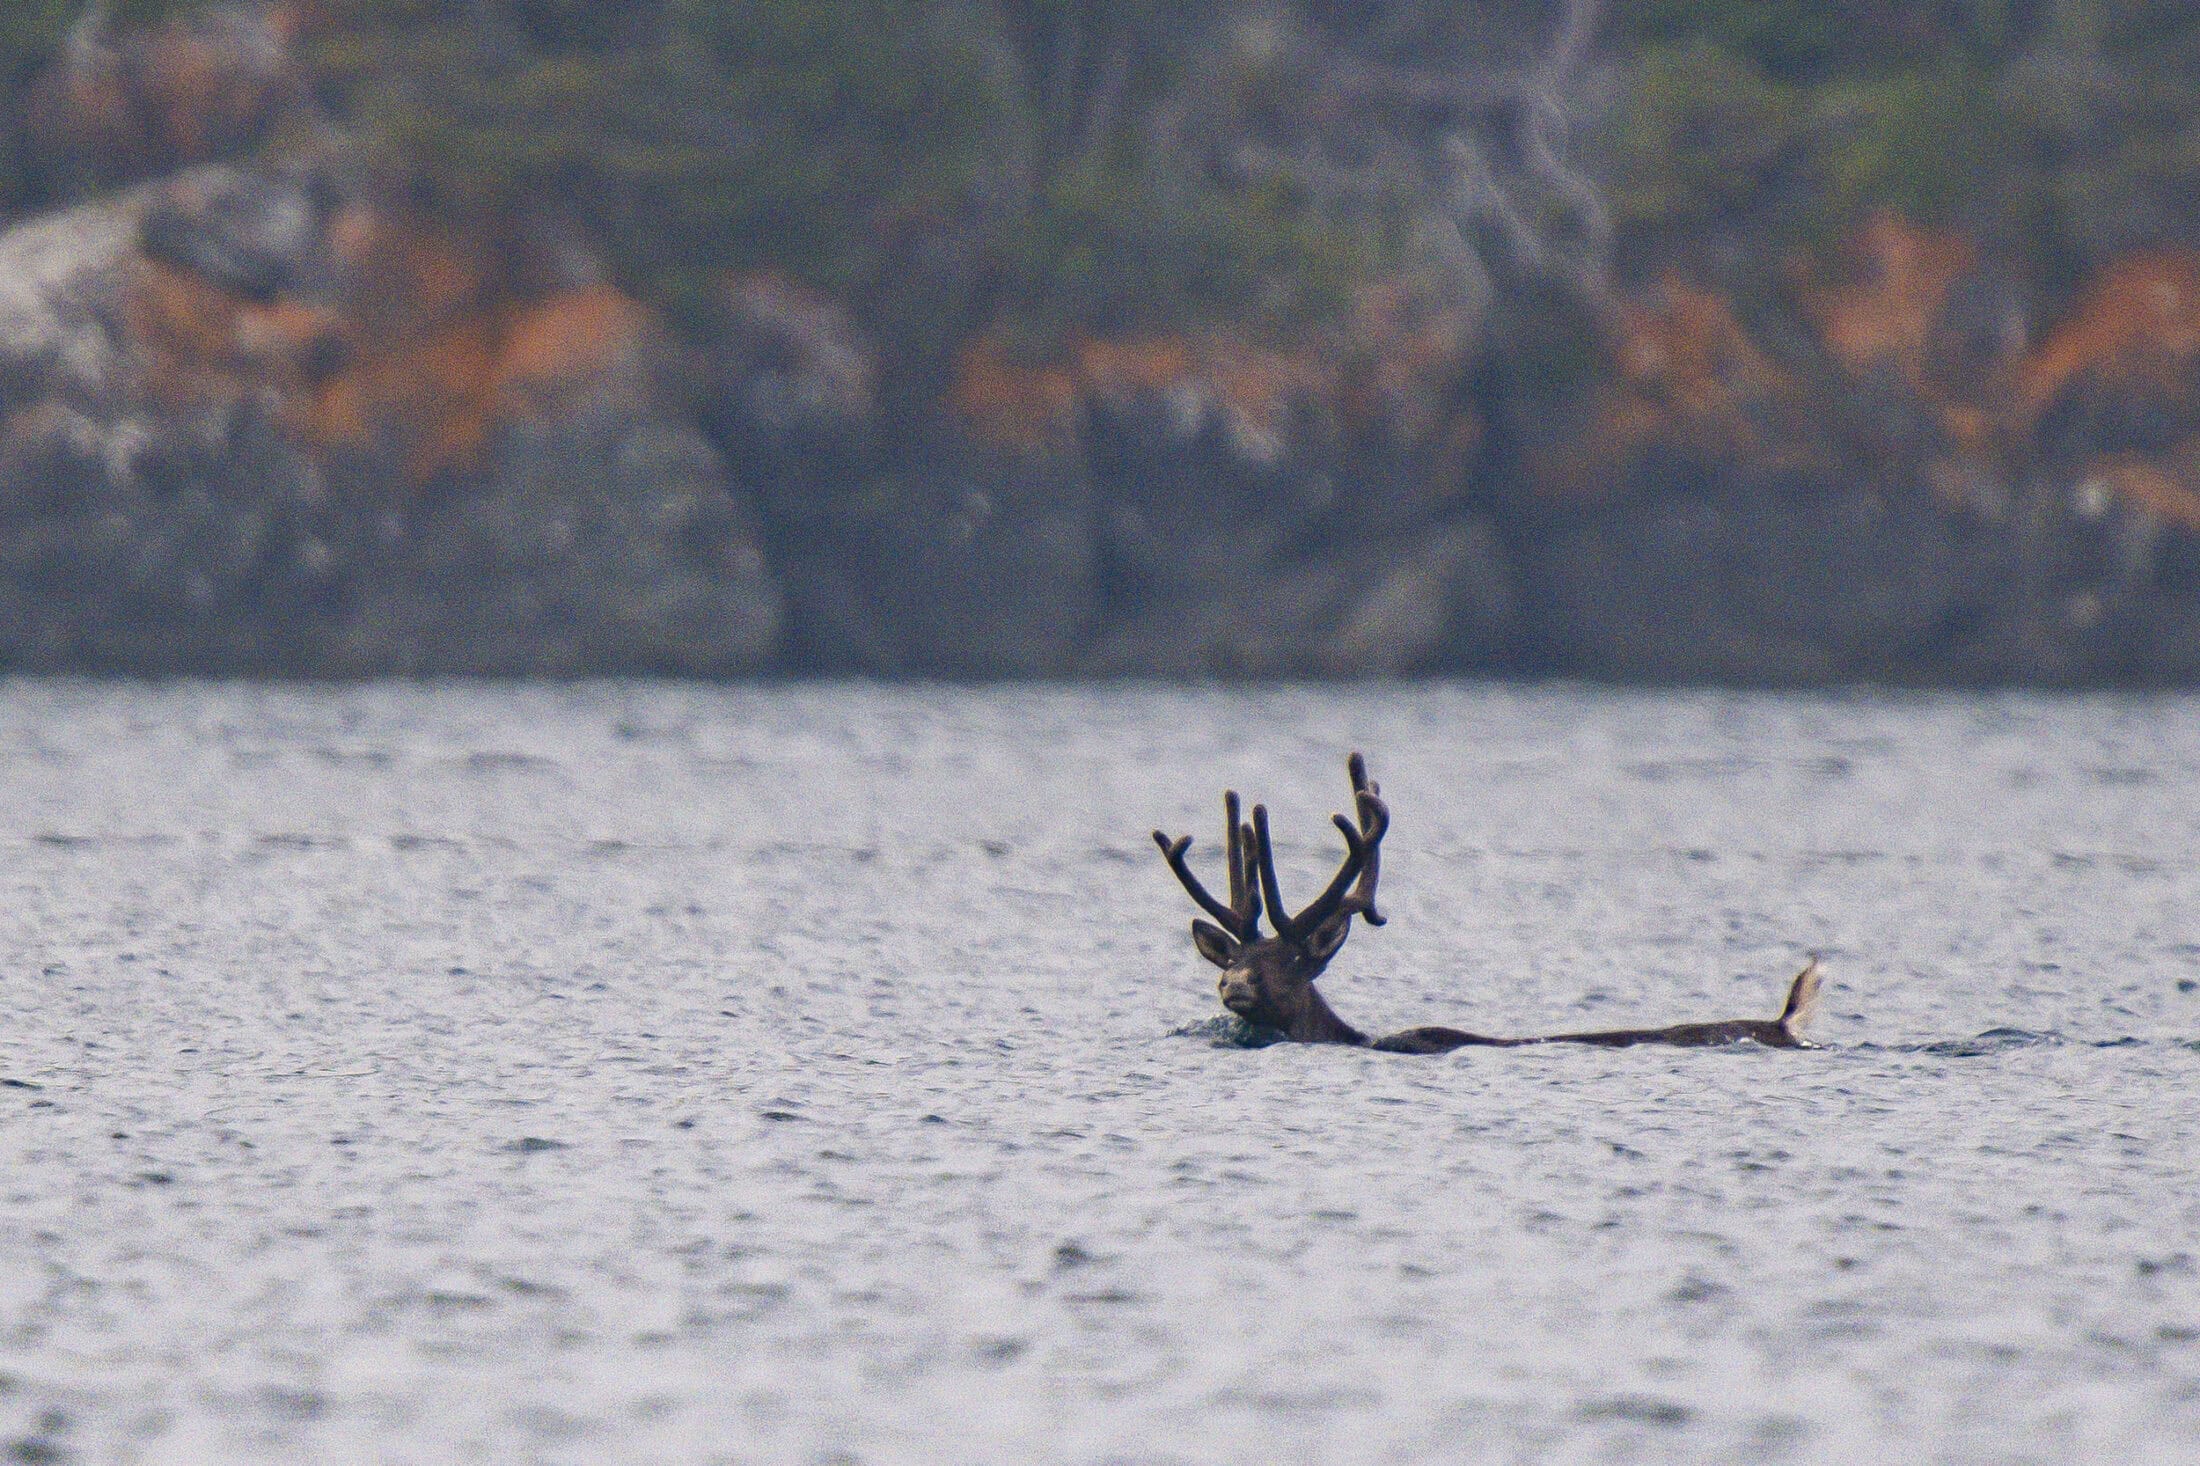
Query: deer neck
[(1319, 1024)]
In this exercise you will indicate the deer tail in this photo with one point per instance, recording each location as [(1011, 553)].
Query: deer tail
[(1802, 1003)]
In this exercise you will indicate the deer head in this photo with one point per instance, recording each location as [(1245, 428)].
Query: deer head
[(1270, 980)]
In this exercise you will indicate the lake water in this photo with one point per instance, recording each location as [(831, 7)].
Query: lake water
[(635, 1073)]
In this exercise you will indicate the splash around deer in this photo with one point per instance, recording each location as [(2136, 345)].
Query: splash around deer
[(1269, 980)]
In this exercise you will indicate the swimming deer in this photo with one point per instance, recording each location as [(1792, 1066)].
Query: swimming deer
[(1270, 980)]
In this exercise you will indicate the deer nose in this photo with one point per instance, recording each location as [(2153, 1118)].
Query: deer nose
[(1237, 993)]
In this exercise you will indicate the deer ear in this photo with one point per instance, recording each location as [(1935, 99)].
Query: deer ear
[(1215, 944), (1329, 936)]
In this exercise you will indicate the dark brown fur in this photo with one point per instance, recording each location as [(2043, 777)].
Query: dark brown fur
[(1269, 980)]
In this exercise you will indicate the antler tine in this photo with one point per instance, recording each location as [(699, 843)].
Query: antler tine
[(1173, 851), (1332, 899), (1298, 927), (1244, 899), (1265, 856), (1249, 845), (1374, 824)]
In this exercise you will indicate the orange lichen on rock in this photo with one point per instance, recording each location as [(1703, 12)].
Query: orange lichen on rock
[(419, 357), (187, 326), (1391, 370), (1685, 376), (426, 399), (1685, 349), (2169, 489), (1120, 370), (1250, 390), (1387, 367), (1971, 428), (552, 347), (1897, 280), (205, 345), (1009, 402), (1256, 390), (194, 88), (435, 395), (1402, 363), (405, 272), (188, 86), (2136, 327)]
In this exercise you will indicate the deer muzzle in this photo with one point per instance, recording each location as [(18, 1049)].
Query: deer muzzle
[(1238, 993)]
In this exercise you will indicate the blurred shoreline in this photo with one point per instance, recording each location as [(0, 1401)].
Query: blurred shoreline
[(291, 390)]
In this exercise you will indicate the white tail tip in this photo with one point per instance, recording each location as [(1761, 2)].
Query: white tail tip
[(1802, 1002)]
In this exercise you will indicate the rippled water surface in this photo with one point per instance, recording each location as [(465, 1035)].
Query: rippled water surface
[(825, 1074)]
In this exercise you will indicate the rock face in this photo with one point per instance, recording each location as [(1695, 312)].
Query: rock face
[(263, 421), (606, 542), (121, 105), (1151, 508), (1823, 587), (342, 374), (971, 564), (62, 278), (225, 451), (1896, 480)]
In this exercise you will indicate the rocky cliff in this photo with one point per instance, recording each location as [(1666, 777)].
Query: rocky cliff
[(268, 406)]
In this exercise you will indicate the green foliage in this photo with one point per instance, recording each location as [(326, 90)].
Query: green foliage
[(2058, 133), (1078, 164), (725, 136), (1700, 131), (1111, 248), (1785, 38), (1810, 41), (1720, 127), (1922, 143), (31, 31), (1002, 145)]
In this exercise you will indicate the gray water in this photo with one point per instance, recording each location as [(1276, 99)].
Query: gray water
[(825, 1074)]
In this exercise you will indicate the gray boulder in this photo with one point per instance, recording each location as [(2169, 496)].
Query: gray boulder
[(602, 536), (609, 543), (1815, 586), (248, 231), (1440, 600), (967, 563)]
